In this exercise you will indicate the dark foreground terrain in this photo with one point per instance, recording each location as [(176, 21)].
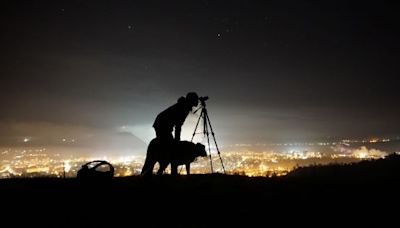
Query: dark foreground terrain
[(363, 194)]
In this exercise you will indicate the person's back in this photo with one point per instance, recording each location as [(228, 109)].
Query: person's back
[(174, 116)]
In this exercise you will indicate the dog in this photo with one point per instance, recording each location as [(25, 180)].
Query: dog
[(167, 152)]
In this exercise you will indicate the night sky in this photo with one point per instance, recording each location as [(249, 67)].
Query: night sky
[(94, 74)]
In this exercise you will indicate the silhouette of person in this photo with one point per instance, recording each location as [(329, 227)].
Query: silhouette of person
[(174, 117)]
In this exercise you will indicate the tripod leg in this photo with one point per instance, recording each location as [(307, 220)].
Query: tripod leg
[(197, 124), (215, 141), (208, 139)]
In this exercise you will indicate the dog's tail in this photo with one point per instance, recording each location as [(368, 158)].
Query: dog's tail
[(149, 162), (147, 168)]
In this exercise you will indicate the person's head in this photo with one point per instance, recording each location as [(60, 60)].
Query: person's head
[(192, 99)]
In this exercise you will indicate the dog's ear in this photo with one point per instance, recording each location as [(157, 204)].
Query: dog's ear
[(201, 149), (201, 146)]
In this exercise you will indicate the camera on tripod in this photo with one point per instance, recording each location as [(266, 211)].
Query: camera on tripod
[(203, 100)]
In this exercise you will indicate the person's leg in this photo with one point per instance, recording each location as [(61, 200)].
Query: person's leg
[(188, 168), (163, 134), (174, 169)]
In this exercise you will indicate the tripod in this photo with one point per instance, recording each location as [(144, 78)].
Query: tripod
[(206, 127)]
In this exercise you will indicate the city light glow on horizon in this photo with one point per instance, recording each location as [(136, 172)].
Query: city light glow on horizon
[(238, 159)]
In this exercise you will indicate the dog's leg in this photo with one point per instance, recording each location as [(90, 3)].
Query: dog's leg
[(163, 166)]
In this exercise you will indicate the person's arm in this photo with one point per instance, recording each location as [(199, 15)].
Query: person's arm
[(180, 119), (178, 129)]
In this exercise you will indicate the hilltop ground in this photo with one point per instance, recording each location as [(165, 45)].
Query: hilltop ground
[(365, 193)]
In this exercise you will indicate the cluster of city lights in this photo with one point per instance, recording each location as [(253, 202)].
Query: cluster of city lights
[(42, 162)]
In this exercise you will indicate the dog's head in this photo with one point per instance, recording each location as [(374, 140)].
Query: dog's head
[(200, 150)]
